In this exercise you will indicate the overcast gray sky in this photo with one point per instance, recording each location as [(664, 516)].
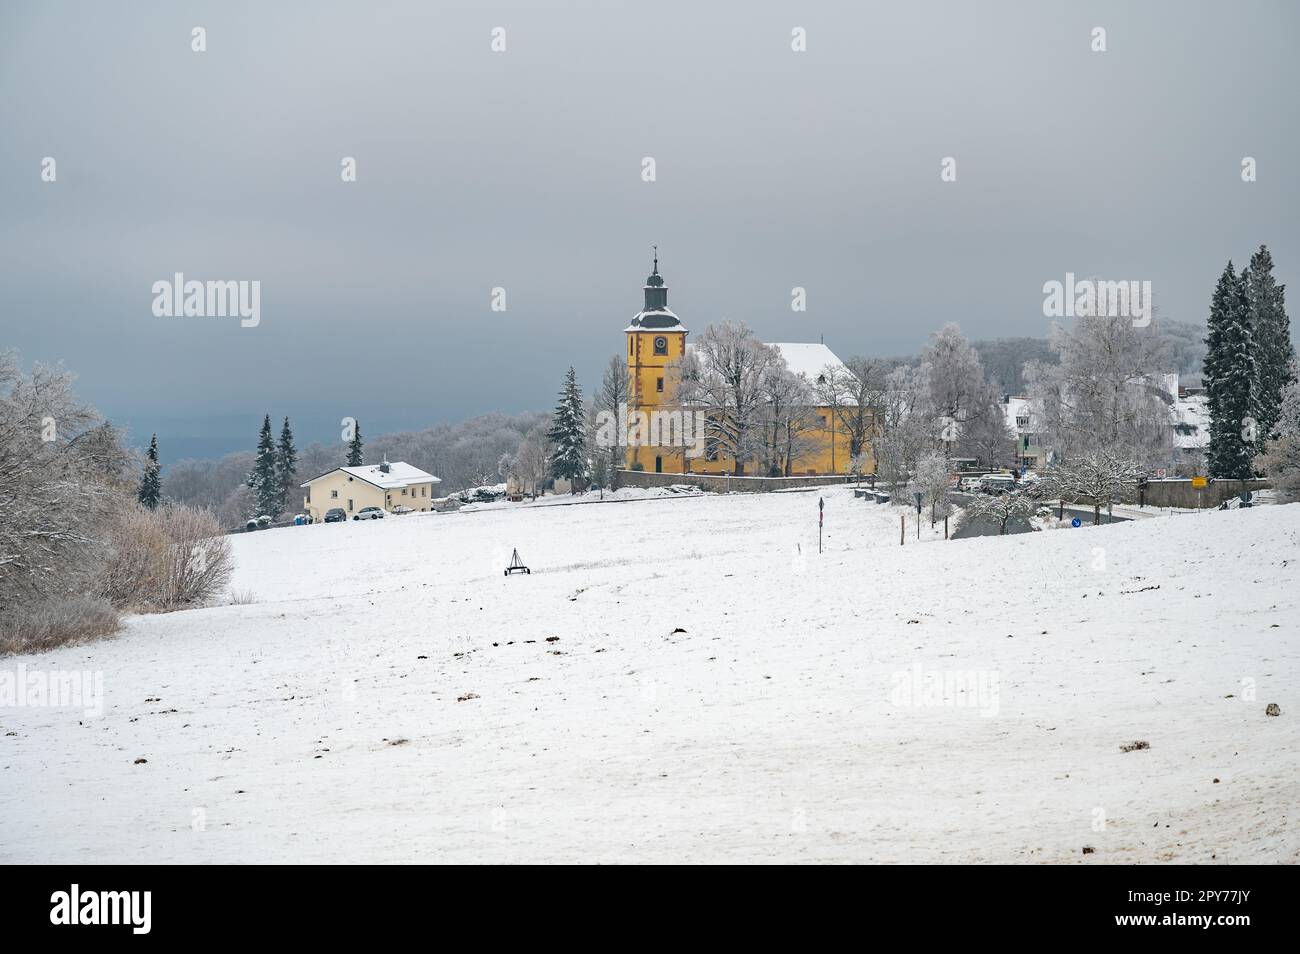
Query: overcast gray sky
[(522, 169)]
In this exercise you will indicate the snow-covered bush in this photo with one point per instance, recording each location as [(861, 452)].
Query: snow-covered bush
[(485, 494), (1281, 458), (56, 621), (164, 559), (63, 472)]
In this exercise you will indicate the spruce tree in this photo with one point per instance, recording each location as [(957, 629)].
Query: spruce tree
[(150, 493), (1230, 379), (355, 456), (1271, 334), (263, 480), (286, 462), (568, 433)]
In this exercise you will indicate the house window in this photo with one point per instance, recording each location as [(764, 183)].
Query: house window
[(334, 495), (1022, 422), (349, 503), (403, 491), (661, 345), (308, 498), (424, 491), (659, 385)]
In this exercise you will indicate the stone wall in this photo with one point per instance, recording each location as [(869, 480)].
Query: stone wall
[(1181, 493), (1160, 493), (720, 483)]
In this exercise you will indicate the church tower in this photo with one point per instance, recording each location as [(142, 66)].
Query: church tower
[(654, 338)]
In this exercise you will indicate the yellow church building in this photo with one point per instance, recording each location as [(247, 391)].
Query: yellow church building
[(656, 338)]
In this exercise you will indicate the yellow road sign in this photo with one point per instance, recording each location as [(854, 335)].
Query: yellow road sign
[(1198, 481)]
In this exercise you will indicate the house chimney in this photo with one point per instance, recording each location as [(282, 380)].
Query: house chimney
[(384, 466)]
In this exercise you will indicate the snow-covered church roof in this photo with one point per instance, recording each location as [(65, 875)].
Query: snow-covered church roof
[(655, 319), (809, 358)]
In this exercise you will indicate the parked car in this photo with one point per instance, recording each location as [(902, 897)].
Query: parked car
[(970, 484), (335, 515), (996, 484), (369, 513), (401, 509)]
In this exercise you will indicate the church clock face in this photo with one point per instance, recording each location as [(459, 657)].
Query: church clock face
[(661, 345)]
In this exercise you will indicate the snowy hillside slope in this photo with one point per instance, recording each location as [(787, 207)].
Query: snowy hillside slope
[(689, 680)]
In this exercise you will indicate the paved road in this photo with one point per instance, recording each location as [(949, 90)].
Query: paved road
[(986, 527)]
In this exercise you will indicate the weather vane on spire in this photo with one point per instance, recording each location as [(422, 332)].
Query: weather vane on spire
[(656, 248)]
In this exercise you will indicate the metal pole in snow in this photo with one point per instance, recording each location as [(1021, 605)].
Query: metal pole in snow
[(821, 514)]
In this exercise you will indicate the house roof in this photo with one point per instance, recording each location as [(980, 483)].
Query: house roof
[(1015, 407), (1193, 414), (399, 474)]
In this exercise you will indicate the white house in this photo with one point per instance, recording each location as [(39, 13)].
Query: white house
[(396, 488)]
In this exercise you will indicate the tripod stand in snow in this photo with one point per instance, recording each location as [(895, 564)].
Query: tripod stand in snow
[(517, 565)]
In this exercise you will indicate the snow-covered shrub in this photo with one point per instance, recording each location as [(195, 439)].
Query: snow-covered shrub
[(165, 559), (1281, 463), (63, 473), (485, 494), (56, 621), (1281, 458)]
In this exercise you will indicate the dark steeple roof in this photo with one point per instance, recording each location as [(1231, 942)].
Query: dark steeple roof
[(655, 315)]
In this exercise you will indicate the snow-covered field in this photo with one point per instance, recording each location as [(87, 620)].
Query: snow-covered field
[(687, 679)]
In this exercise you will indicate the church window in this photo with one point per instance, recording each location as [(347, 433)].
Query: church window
[(659, 385)]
